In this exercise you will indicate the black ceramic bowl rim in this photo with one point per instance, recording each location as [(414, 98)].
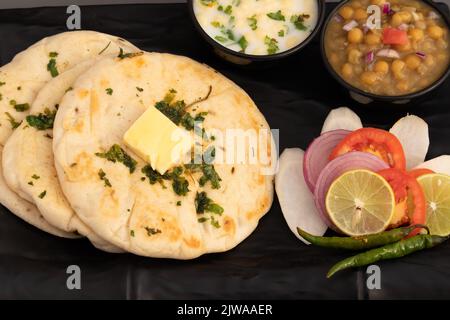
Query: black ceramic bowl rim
[(283, 54), (373, 96)]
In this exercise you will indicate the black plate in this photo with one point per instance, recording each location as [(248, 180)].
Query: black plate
[(295, 96)]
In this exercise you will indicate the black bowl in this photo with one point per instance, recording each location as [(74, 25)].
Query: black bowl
[(367, 97), (244, 59)]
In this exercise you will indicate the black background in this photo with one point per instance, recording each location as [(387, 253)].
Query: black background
[(295, 96)]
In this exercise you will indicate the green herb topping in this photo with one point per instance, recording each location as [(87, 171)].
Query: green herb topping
[(12, 121), (272, 45), (42, 121), (53, 54), (123, 55), (20, 107), (152, 231), (105, 48), (42, 194), (117, 154), (51, 67), (102, 176), (35, 177), (253, 22), (204, 204), (298, 21), (132, 233), (109, 91), (276, 16)]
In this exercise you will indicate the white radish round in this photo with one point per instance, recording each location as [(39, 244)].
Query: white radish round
[(296, 200), (412, 132), (440, 164), (342, 118)]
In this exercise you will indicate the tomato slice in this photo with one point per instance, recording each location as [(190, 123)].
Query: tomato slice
[(379, 142), (394, 36), (409, 197), (419, 172)]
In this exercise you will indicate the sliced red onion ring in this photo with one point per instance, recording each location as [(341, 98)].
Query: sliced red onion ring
[(388, 53), (316, 156), (421, 55), (337, 167), (369, 57), (386, 8), (338, 18), (433, 15), (349, 26)]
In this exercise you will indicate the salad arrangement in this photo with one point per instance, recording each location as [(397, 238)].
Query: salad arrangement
[(370, 185)]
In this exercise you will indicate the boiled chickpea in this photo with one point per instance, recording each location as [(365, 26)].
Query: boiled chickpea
[(360, 14), (369, 77), (356, 4), (372, 39), (403, 47), (354, 56), (406, 16), (396, 19), (421, 25), (416, 34), (402, 86), (381, 67), (413, 61), (347, 70), (377, 2), (429, 60), (435, 32), (346, 12), (355, 35), (397, 69)]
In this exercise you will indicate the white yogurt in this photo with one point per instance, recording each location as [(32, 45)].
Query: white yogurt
[(245, 24)]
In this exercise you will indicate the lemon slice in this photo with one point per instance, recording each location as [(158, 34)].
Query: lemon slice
[(360, 202), (436, 188)]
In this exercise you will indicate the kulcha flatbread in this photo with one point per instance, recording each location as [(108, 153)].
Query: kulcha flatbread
[(21, 80), (28, 160), (123, 207)]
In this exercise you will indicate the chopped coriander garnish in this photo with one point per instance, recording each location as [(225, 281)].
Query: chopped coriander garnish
[(12, 102), (2, 83), (105, 48), (102, 176), (117, 154), (215, 223), (12, 121), (132, 233), (230, 35), (178, 203), (42, 121), (228, 10), (109, 91), (221, 39), (216, 24), (154, 176), (271, 44), (35, 177), (220, 8), (202, 219), (179, 184), (204, 204), (69, 89), (281, 33), (51, 67), (42, 194), (1, 97), (243, 43), (276, 16), (208, 3), (152, 231), (53, 54), (31, 183), (123, 55), (253, 22), (19, 88), (139, 89), (298, 21), (22, 107)]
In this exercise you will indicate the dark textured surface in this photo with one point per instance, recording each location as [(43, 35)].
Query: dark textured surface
[(295, 96)]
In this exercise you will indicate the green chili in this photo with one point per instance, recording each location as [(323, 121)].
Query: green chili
[(360, 243), (390, 251)]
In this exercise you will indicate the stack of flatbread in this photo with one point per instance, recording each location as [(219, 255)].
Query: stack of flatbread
[(65, 105)]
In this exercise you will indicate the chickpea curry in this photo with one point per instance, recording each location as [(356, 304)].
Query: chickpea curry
[(407, 53)]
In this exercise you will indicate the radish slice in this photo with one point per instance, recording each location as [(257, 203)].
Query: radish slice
[(412, 132), (369, 57), (386, 8), (349, 26), (337, 167), (342, 118), (388, 53), (316, 156), (439, 165), (296, 201)]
